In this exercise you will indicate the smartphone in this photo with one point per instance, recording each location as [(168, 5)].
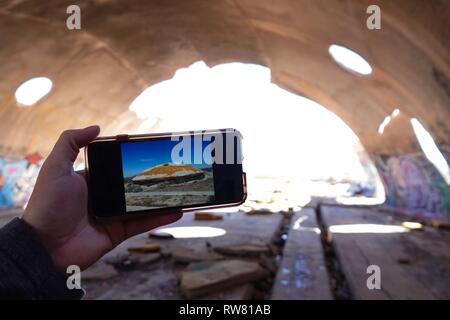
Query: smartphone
[(166, 172)]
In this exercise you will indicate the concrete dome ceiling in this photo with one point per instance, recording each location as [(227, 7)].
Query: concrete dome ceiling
[(125, 46)]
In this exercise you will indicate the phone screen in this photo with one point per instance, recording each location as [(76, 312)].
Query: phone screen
[(155, 178)]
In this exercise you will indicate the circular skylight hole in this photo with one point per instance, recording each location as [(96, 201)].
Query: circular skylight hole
[(350, 60), (33, 90)]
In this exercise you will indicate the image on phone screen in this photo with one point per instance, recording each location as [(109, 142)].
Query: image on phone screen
[(152, 180)]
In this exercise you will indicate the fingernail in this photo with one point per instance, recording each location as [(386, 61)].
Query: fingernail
[(92, 128)]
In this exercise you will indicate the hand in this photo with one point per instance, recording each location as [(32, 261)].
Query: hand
[(57, 209)]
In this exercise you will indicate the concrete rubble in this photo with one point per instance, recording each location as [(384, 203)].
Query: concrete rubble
[(207, 216), (206, 277), (440, 224), (99, 271), (228, 267), (188, 255), (145, 248), (243, 250)]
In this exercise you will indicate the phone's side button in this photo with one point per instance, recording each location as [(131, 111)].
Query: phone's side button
[(122, 137)]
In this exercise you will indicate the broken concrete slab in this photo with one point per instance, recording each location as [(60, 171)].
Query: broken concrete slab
[(188, 255), (302, 273), (142, 259), (413, 264), (274, 249), (241, 292), (129, 261), (99, 271), (207, 216), (121, 262), (440, 224), (146, 248), (207, 277), (243, 250), (258, 212), (268, 263), (163, 280)]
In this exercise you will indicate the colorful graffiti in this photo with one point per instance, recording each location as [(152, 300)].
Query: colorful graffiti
[(17, 178), (414, 186)]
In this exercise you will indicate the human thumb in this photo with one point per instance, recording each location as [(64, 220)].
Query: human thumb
[(69, 144)]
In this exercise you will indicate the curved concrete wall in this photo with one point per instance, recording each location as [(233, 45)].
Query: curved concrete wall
[(413, 185)]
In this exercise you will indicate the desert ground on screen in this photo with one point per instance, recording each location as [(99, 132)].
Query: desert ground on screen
[(169, 185)]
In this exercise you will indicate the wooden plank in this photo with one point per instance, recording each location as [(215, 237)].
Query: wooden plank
[(302, 273), (409, 261)]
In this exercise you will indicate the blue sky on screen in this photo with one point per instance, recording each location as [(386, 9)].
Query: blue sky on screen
[(142, 155)]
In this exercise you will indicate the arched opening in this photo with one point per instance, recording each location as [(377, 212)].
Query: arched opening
[(294, 148)]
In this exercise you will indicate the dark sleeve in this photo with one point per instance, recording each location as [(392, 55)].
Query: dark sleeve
[(26, 269)]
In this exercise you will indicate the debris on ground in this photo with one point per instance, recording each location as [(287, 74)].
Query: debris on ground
[(201, 278), (116, 258), (258, 212), (240, 292), (243, 250), (142, 259), (130, 261), (238, 268), (99, 271), (188, 255), (146, 248), (412, 226), (440, 224), (207, 216), (274, 249), (268, 263)]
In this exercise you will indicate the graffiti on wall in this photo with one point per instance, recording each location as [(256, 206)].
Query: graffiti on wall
[(17, 178), (414, 186)]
